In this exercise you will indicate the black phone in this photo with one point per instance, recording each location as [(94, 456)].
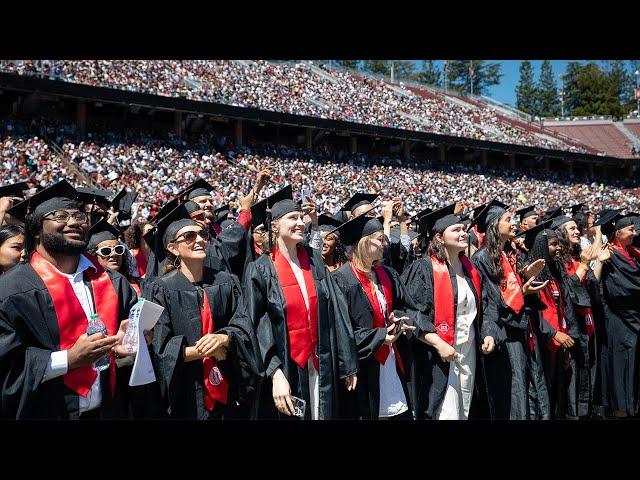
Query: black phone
[(299, 406), (536, 283)]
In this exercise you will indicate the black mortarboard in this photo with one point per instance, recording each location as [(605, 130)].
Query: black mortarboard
[(577, 208), (90, 195), (221, 213), (492, 211), (531, 234), (356, 228), (327, 223), (13, 189), (421, 213), (550, 214), (123, 202), (283, 207), (259, 209), (197, 189), (358, 200), (557, 222), (526, 212), (427, 222), (607, 216), (101, 232), (168, 207), (169, 226), (625, 220)]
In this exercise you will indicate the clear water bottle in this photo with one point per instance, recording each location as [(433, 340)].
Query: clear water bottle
[(97, 326), (130, 340)]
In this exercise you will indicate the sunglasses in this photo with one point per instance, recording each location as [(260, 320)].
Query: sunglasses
[(107, 251), (191, 236)]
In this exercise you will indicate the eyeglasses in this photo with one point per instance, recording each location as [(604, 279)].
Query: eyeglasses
[(62, 216), (191, 236), (107, 251)]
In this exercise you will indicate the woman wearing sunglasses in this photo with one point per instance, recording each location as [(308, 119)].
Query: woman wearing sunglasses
[(203, 342), (111, 253)]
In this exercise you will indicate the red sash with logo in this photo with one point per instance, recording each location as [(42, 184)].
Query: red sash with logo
[(511, 286), (72, 320), (443, 295), (141, 261), (554, 313), (379, 319), (216, 388), (302, 324), (585, 312)]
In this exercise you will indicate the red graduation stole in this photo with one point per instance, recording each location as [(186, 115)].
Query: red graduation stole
[(511, 291), (72, 321), (379, 319), (302, 324), (479, 235), (216, 388), (554, 313), (443, 295), (141, 261), (583, 311), (629, 253)]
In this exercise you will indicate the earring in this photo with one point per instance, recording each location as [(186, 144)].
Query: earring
[(176, 262)]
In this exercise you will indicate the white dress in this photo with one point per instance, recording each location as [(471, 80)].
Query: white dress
[(457, 399)]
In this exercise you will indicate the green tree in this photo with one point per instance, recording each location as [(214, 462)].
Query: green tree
[(430, 74), (526, 89), (404, 69), (571, 90), (484, 74), (352, 64), (377, 66), (598, 93), (547, 104)]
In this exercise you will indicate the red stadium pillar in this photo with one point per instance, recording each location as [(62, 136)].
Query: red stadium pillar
[(512, 161), (237, 132), (354, 144), (177, 124), (81, 117), (308, 138), (483, 155), (407, 150)]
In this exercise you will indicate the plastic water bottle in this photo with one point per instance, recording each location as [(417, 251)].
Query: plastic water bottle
[(97, 326), (130, 340)]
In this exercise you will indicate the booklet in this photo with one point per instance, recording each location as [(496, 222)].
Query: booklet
[(145, 314)]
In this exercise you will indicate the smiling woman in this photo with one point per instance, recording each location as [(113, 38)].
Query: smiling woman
[(11, 246)]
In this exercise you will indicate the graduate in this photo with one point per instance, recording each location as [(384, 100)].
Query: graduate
[(333, 251), (380, 311), (48, 360), (105, 245), (11, 247), (515, 376), (621, 292), (138, 246), (528, 217), (204, 345), (306, 341), (97, 204), (447, 289), (11, 195), (581, 272)]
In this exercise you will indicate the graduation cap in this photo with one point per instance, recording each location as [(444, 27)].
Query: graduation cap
[(198, 188), (101, 232), (358, 200), (60, 196), (361, 226), (557, 222), (14, 189), (438, 220), (579, 207), (341, 215), (607, 216), (492, 211), (550, 214), (327, 223), (221, 213), (168, 227), (259, 209), (168, 207), (123, 201), (421, 213), (94, 196), (526, 212), (531, 234)]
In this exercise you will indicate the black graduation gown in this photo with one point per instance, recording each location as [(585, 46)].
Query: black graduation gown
[(395, 255), (621, 295), (365, 403), (29, 334), (430, 374), (336, 346), (515, 378), (180, 325)]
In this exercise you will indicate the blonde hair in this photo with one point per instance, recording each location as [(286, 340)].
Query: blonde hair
[(361, 255)]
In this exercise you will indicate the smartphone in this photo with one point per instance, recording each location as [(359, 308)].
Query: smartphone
[(536, 283), (303, 195), (299, 406), (399, 325)]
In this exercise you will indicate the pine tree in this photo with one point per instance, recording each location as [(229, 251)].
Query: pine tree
[(571, 90), (484, 74), (597, 93), (351, 64), (547, 97), (404, 69), (380, 67), (430, 74), (526, 89)]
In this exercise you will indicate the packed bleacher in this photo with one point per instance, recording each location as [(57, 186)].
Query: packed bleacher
[(300, 89)]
